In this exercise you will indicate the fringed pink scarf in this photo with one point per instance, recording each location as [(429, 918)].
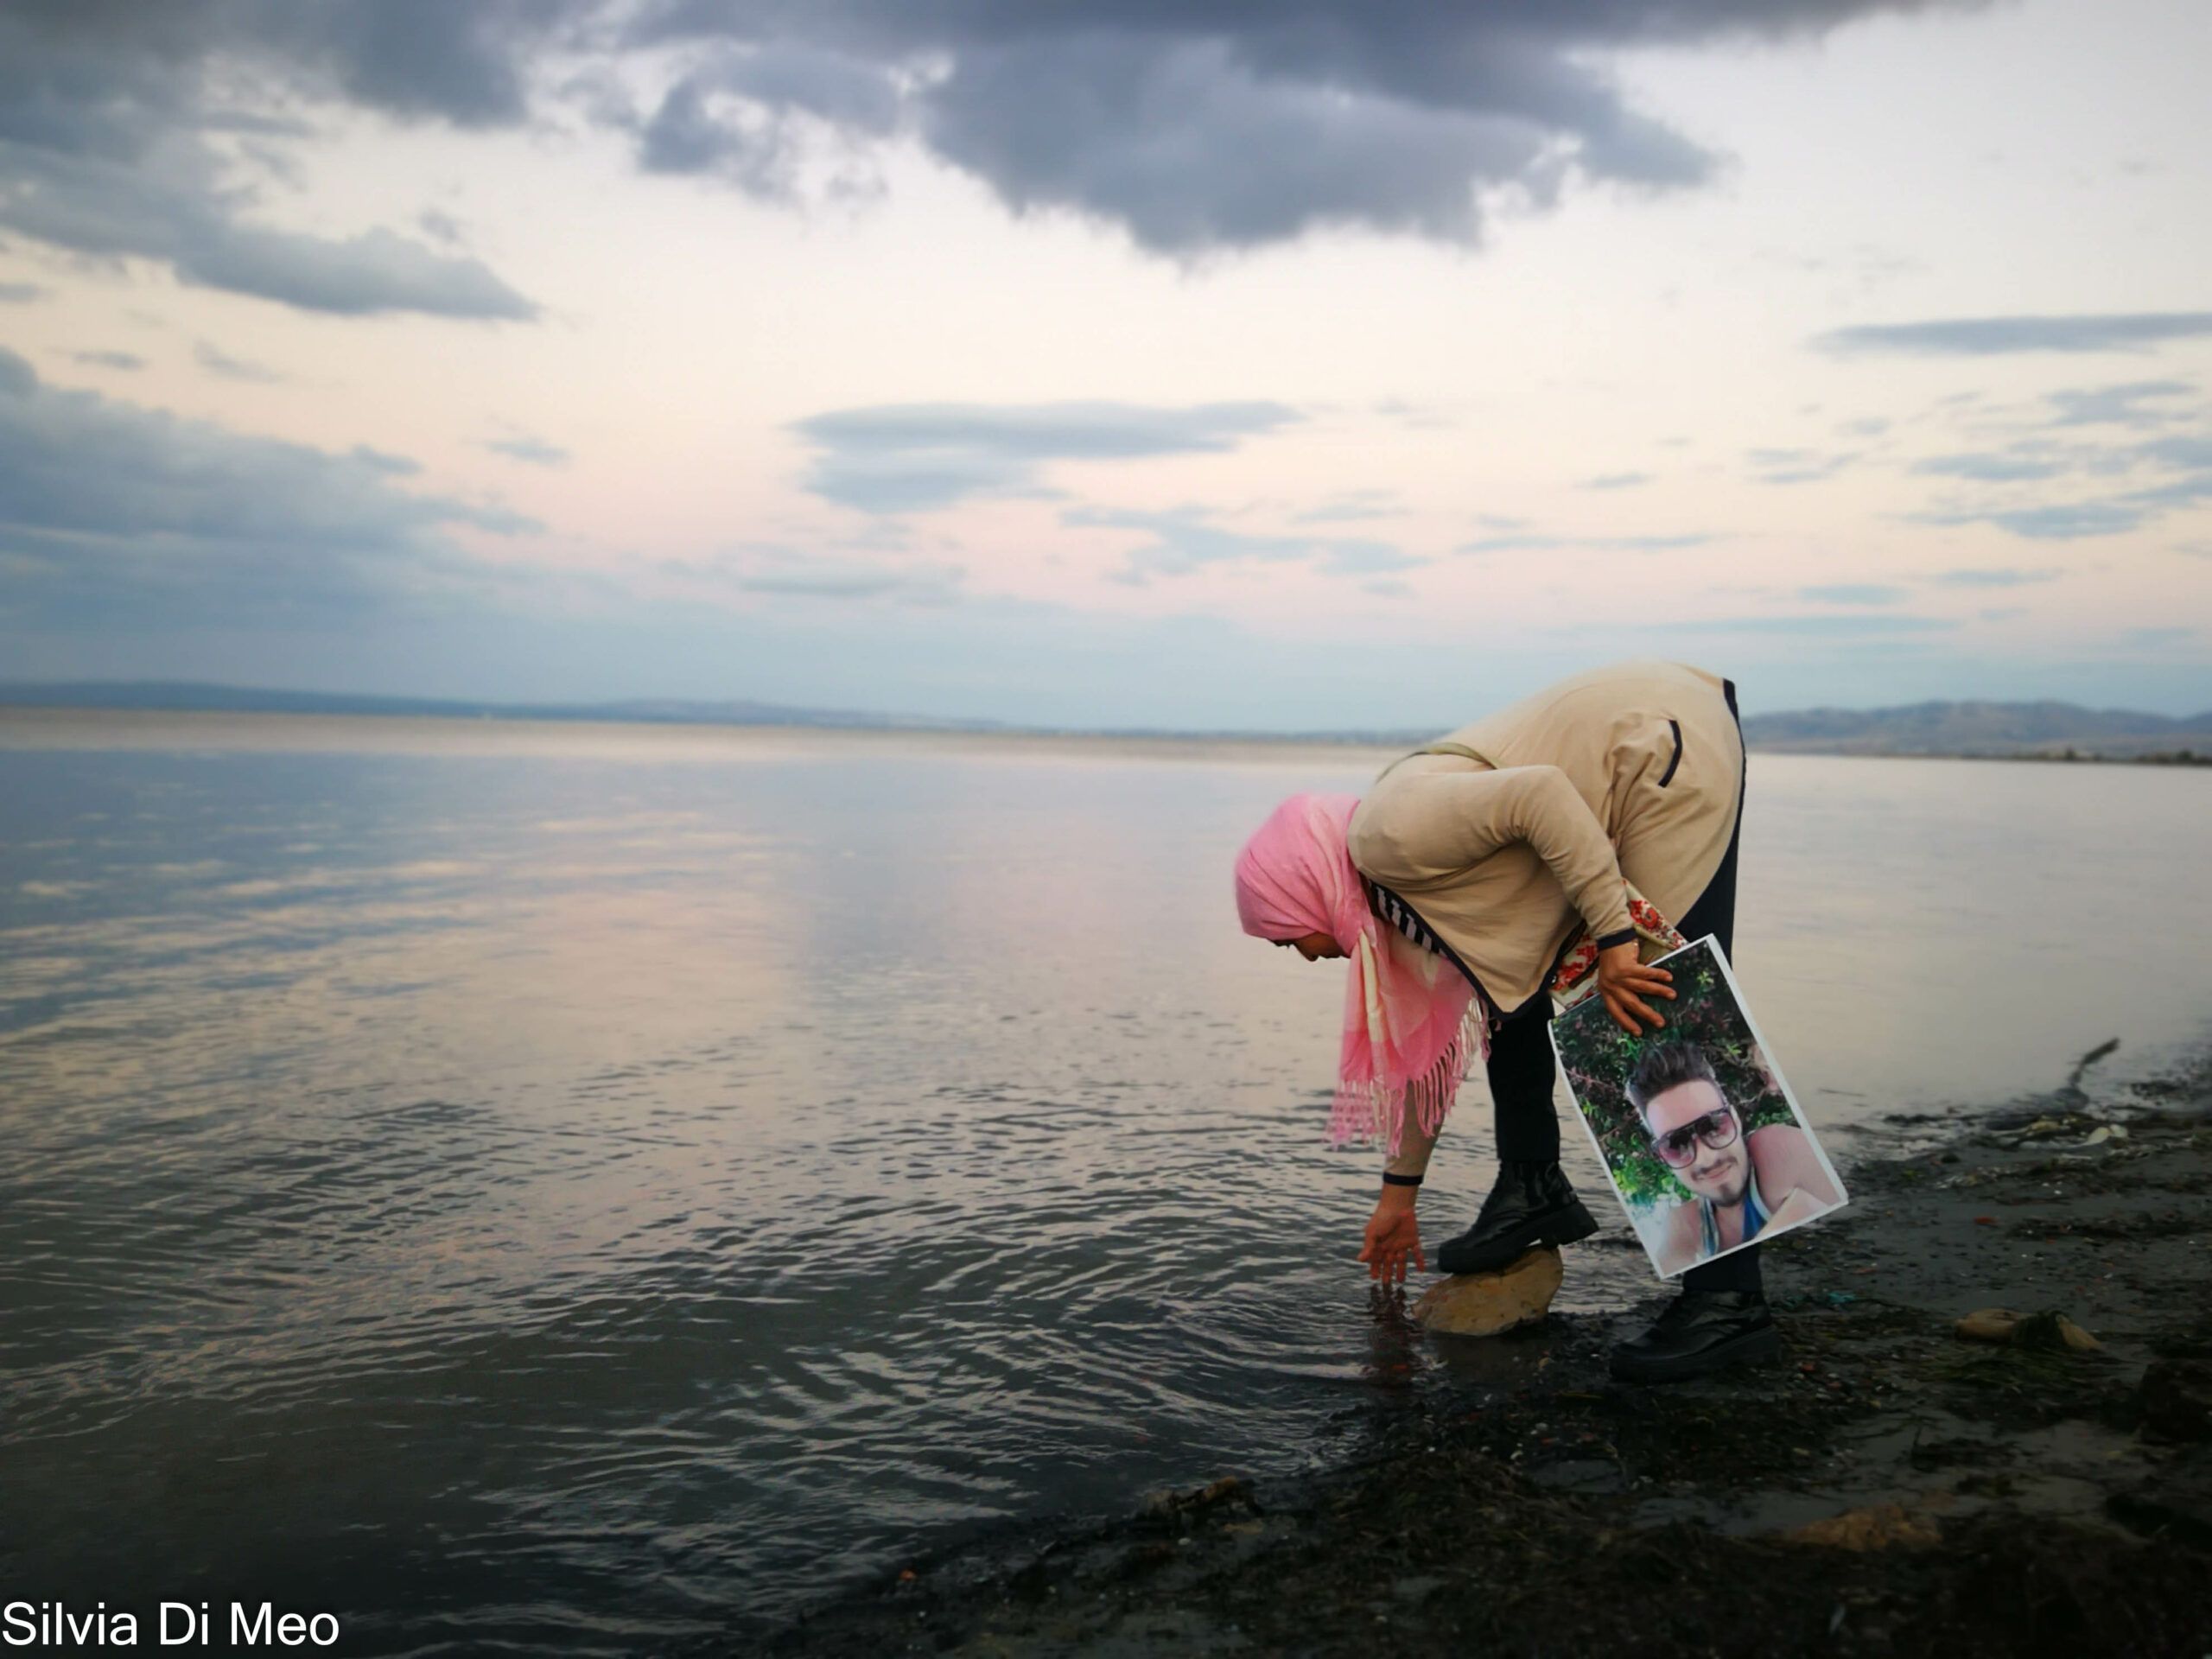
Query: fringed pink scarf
[(1412, 1024)]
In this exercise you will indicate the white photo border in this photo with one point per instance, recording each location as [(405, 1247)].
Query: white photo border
[(1773, 1070)]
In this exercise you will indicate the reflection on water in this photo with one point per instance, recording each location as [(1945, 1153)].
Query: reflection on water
[(587, 1185)]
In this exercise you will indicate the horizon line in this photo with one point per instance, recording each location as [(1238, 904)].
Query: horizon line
[(731, 711)]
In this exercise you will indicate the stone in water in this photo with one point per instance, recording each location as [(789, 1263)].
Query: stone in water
[(1484, 1303)]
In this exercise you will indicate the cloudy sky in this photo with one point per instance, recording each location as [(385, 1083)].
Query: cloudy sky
[(1272, 363)]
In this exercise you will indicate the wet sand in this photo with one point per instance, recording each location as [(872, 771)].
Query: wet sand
[(1889, 1487)]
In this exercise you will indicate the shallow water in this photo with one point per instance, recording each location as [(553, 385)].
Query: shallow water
[(581, 1185)]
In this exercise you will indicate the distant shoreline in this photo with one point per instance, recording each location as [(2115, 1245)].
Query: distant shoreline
[(50, 727), (2069, 757), (1140, 738)]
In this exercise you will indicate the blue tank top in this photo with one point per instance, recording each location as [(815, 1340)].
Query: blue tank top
[(1754, 1212)]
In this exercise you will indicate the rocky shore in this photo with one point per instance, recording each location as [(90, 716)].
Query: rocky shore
[(1895, 1485)]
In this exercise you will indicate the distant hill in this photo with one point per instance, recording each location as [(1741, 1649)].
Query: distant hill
[(1981, 728), (2015, 729)]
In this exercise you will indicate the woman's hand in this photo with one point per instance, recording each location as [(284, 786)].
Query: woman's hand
[(1392, 1236), (1624, 981)]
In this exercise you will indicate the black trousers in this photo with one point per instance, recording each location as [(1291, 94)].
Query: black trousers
[(1522, 1070)]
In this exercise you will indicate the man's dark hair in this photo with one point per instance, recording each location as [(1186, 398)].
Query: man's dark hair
[(1665, 1067)]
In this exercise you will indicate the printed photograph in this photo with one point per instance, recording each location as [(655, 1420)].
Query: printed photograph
[(1698, 1131)]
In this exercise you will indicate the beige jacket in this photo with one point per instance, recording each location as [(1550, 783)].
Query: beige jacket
[(1633, 771)]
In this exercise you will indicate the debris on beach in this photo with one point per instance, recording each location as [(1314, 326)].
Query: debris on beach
[(1230, 1489), (2050, 1127), (2050, 1331), (1488, 1304), (1880, 1526)]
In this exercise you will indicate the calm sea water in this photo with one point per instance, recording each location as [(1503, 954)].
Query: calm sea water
[(576, 1187)]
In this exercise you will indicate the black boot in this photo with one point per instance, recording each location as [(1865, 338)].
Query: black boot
[(1531, 1205), (1700, 1330)]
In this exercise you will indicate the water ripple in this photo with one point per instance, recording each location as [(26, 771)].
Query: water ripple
[(575, 1202)]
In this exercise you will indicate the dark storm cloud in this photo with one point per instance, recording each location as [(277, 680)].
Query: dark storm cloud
[(1209, 125), (359, 276), (1993, 336), (20, 293), (170, 210), (113, 514), (107, 112), (1189, 146), (1192, 124), (735, 117), (463, 63), (466, 64), (900, 458)]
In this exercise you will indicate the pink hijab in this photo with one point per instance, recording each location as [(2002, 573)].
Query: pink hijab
[(1411, 1024)]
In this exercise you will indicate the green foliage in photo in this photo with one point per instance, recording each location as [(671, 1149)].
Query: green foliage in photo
[(1600, 1058)]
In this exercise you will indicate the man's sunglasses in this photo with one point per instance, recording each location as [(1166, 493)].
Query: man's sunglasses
[(1716, 1129)]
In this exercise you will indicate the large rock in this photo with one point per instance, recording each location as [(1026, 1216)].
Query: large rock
[(1484, 1303)]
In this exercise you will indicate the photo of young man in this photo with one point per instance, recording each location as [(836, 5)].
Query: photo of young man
[(1742, 1184)]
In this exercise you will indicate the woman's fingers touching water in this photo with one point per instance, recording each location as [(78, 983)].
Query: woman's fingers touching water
[(1393, 1241)]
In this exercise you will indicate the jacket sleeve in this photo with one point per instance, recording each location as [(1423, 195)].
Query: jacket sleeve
[(1421, 827)]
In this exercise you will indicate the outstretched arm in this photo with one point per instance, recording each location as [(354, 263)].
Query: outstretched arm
[(1392, 1242)]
